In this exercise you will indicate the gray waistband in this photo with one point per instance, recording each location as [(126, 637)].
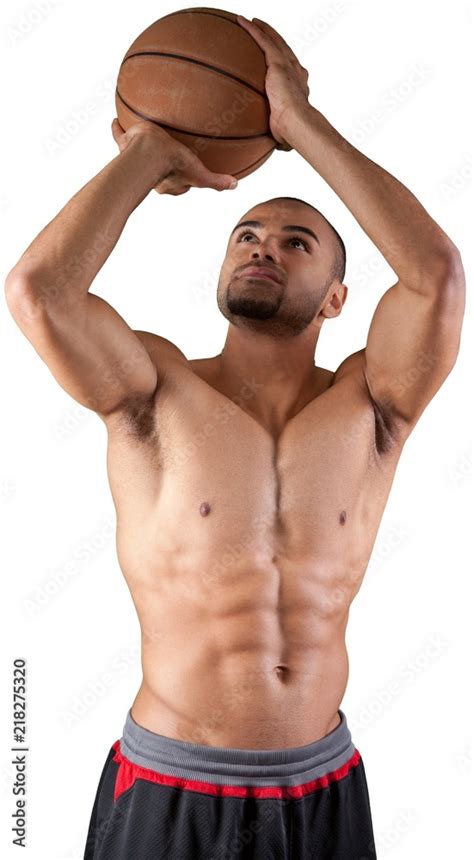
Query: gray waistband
[(235, 766)]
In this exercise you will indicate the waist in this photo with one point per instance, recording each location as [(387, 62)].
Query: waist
[(141, 752), (237, 702)]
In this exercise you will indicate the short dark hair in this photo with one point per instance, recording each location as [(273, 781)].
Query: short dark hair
[(338, 269)]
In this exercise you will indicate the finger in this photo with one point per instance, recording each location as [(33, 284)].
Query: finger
[(267, 45), (284, 146), (177, 191), (117, 130), (278, 40), (218, 181)]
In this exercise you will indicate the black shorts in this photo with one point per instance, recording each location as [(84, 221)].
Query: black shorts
[(159, 797)]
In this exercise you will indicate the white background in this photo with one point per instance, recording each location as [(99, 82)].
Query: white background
[(393, 78)]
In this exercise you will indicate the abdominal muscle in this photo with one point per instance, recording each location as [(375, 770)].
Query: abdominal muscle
[(231, 666), (243, 554)]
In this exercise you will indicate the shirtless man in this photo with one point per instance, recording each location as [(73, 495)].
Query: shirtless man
[(249, 486)]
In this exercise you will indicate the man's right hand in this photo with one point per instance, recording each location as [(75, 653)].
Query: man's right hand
[(185, 167)]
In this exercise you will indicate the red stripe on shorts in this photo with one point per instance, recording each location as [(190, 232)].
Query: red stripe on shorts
[(128, 772)]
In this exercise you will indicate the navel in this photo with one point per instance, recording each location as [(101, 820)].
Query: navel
[(342, 517), (205, 509), (281, 671)]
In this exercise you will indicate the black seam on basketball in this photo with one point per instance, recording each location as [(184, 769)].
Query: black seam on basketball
[(201, 12), (238, 173), (183, 131), (196, 63)]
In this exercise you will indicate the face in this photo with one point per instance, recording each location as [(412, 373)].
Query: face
[(286, 306)]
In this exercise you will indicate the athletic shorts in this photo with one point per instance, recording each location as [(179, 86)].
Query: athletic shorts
[(159, 797)]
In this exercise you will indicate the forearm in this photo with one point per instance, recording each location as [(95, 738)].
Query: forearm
[(66, 255), (409, 239)]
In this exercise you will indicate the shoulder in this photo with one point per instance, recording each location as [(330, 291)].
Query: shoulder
[(353, 365), (136, 412), (163, 352), (351, 374), (390, 431)]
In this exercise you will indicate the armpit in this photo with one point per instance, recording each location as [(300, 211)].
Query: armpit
[(390, 428), (140, 417)]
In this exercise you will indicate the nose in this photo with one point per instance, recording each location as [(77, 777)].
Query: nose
[(265, 254)]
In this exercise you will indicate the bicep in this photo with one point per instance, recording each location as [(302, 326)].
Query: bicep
[(412, 345), (89, 348)]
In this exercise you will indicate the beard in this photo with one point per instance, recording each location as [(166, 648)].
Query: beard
[(263, 309), (258, 306)]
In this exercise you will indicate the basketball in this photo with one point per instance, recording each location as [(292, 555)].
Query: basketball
[(201, 77)]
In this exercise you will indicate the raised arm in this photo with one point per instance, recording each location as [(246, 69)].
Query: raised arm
[(414, 337), (91, 351)]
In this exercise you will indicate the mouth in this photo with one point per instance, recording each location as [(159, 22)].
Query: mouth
[(259, 272)]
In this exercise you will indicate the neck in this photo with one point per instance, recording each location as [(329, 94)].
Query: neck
[(280, 373)]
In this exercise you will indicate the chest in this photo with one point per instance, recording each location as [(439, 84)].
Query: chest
[(214, 476)]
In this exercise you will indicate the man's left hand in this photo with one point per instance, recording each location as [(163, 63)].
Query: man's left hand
[(286, 81)]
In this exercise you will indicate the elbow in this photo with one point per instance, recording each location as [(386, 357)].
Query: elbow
[(15, 287), (20, 296), (450, 269), (451, 289), (446, 282), (441, 278), (454, 284), (456, 268)]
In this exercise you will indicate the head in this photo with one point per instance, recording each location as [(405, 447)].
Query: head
[(309, 263)]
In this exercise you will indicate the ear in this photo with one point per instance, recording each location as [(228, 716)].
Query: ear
[(335, 300)]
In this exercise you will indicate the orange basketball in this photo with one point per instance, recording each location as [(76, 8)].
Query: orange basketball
[(201, 77)]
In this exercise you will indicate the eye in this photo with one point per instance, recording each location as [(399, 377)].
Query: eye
[(292, 238)]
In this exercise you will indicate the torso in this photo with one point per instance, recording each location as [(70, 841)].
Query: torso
[(243, 549)]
